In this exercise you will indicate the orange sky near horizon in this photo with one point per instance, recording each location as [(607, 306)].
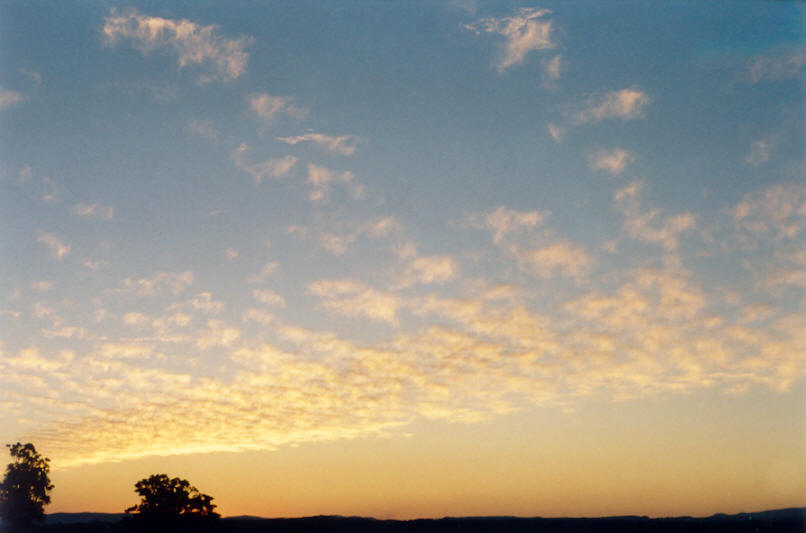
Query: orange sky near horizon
[(664, 457)]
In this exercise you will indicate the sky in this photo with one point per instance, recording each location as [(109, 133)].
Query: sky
[(407, 259)]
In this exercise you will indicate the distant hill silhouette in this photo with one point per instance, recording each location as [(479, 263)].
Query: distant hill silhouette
[(782, 520)]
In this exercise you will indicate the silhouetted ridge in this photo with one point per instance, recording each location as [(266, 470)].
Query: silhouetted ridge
[(775, 521)]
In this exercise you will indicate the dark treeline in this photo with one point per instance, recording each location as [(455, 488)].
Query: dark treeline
[(786, 520)]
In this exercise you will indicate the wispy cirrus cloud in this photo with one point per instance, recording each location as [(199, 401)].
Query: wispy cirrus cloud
[(613, 161), (194, 44), (271, 168), (341, 145), (524, 32), (626, 104)]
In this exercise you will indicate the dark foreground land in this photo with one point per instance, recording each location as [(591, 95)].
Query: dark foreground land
[(784, 520)]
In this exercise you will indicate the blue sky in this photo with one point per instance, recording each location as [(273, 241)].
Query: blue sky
[(244, 227)]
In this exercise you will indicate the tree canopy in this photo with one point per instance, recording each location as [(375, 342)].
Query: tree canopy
[(164, 497), (25, 489)]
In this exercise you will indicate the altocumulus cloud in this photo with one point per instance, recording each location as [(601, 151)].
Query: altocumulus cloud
[(524, 32), (193, 43)]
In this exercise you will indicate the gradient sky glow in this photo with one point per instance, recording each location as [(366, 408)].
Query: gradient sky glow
[(407, 259)]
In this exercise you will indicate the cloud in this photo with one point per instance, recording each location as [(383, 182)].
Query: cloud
[(94, 211), (265, 272), (35, 76), (336, 244), (552, 69), (257, 315), (349, 232), (203, 129), (217, 333), (194, 44), (778, 211), (555, 132), (613, 161), (271, 168), (354, 299), (781, 63), (430, 269), (203, 301), (626, 104), (231, 254), (42, 285), (650, 226), (162, 282), (560, 258), (760, 152), (524, 32), (335, 145), (267, 106), (504, 221), (57, 248), (9, 98), (268, 297), (321, 178)]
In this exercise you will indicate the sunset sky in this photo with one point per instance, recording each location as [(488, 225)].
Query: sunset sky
[(407, 259)]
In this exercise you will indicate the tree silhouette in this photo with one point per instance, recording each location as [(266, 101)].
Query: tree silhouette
[(25, 489), (166, 498)]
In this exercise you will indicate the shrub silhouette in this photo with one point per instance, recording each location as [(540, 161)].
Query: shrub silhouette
[(24, 491)]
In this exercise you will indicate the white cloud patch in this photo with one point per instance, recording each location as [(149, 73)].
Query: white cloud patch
[(626, 104), (563, 258), (203, 129), (42, 285), (428, 269), (650, 225), (555, 132), (504, 221), (552, 69), (782, 63), (267, 107), (268, 297), (271, 168), (779, 211), (57, 247), (194, 44), (266, 271), (94, 211), (760, 152), (613, 161), (172, 283), (321, 178), (524, 32), (342, 145), (9, 98), (354, 299)]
